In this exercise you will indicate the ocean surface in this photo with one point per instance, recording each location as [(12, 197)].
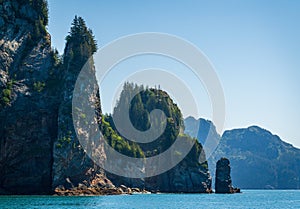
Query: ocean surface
[(248, 199)]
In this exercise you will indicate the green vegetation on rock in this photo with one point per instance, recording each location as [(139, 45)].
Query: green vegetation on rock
[(117, 142), (6, 94), (39, 86), (144, 101)]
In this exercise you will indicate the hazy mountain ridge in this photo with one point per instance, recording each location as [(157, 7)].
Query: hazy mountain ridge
[(259, 159)]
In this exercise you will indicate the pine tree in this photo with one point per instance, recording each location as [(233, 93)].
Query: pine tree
[(80, 46), (140, 107)]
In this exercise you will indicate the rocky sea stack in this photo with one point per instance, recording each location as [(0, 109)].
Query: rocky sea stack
[(223, 182)]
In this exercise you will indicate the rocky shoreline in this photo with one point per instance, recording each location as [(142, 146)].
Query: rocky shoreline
[(100, 185), (122, 190), (97, 191)]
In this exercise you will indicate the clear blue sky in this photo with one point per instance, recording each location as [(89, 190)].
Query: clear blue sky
[(254, 46)]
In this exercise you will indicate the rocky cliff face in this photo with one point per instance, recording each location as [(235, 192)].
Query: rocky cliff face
[(184, 177), (28, 115), (189, 176), (205, 131), (70, 162), (39, 148)]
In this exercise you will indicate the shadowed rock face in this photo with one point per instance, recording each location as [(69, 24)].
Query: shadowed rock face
[(223, 179), (38, 145), (181, 178), (27, 107)]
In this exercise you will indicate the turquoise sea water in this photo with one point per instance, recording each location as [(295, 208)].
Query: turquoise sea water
[(248, 199)]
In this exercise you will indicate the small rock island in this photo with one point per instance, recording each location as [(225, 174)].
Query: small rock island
[(223, 184)]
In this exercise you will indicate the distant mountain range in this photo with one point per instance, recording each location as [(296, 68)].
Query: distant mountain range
[(259, 159)]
